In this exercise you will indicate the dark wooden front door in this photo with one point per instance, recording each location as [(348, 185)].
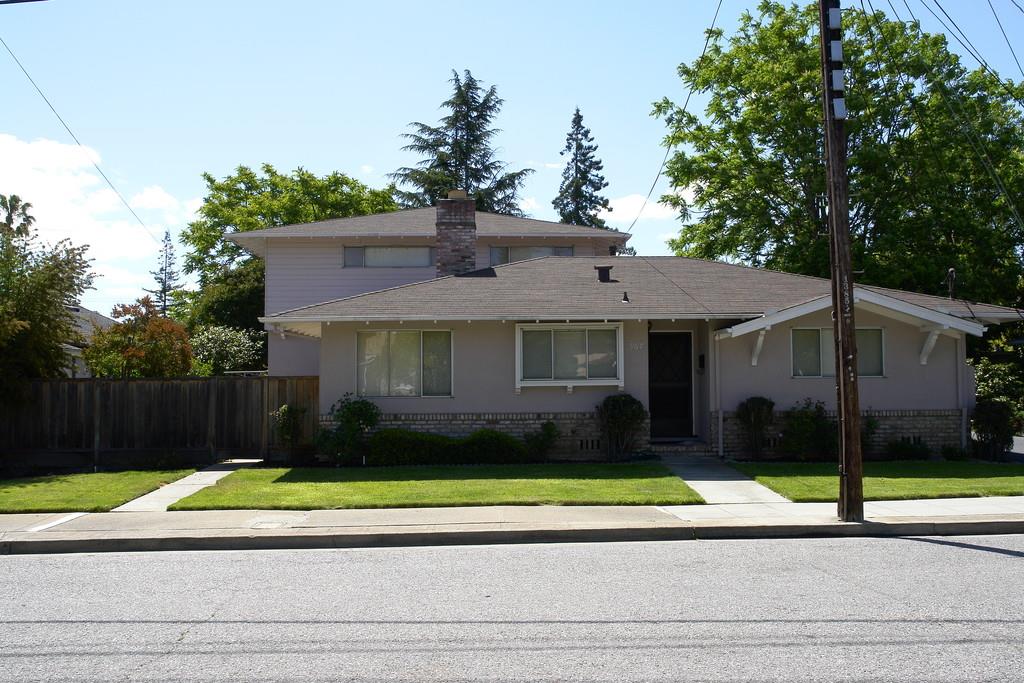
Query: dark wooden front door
[(671, 384)]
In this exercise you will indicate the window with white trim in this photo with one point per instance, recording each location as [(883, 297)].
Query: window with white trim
[(500, 255), (389, 257), (569, 355), (814, 352), (404, 363)]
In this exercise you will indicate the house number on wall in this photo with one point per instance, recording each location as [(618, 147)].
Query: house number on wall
[(636, 346)]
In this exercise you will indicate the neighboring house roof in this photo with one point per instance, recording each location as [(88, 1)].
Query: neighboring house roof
[(420, 223), (567, 288), (87, 320)]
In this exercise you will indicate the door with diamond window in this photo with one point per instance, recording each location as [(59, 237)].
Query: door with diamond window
[(670, 382)]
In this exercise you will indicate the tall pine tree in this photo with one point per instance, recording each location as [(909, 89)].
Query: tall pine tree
[(578, 201), (166, 275), (457, 154)]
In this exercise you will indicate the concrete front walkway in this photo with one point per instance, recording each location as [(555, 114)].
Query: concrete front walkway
[(717, 483), (165, 496)]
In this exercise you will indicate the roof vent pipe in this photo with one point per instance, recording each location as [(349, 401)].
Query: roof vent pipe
[(604, 273)]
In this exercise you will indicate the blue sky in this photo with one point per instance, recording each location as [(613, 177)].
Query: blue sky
[(161, 92)]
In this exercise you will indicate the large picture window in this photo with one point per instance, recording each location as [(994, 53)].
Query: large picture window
[(568, 355), (404, 363), (814, 352), (500, 255), (389, 257)]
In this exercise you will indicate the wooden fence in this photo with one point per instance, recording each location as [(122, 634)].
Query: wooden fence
[(105, 421)]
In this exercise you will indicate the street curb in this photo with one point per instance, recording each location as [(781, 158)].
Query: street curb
[(332, 540)]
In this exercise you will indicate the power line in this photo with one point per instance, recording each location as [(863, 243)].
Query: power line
[(668, 148), (966, 44), (75, 138), (965, 124), (1005, 37)]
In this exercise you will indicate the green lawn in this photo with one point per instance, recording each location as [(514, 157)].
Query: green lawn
[(809, 482), (381, 487), (98, 492)]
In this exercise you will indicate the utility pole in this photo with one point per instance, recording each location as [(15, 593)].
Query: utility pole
[(851, 470)]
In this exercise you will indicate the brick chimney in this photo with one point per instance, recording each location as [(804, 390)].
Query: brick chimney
[(456, 234)]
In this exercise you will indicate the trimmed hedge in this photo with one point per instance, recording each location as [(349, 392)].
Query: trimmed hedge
[(389, 447)]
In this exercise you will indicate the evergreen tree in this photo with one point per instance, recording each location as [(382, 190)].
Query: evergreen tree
[(457, 154), (166, 275), (578, 201)]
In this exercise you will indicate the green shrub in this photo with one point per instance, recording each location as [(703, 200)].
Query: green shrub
[(490, 447), (540, 443), (754, 415), (622, 419), (288, 422), (390, 447), (808, 433), (904, 449), (406, 447), (868, 429), (954, 453), (993, 428), (346, 440)]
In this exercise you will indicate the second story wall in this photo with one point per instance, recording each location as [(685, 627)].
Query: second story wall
[(302, 272), (305, 271)]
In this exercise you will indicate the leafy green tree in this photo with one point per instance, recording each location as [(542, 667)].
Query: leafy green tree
[(579, 200), (458, 153), (166, 275), (230, 280), (37, 285), (16, 217), (922, 200), (142, 343), (222, 349)]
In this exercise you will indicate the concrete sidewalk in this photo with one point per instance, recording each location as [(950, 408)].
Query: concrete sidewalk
[(253, 529)]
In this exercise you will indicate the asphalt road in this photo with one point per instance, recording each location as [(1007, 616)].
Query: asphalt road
[(840, 609)]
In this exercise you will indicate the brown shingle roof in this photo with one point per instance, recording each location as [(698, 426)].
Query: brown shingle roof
[(553, 288), (422, 223)]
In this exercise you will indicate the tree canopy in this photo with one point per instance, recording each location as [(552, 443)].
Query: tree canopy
[(38, 283), (16, 218), (932, 146), (218, 349), (230, 280), (458, 153), (142, 343), (579, 200)]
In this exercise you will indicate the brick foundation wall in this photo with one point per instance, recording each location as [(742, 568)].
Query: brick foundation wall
[(935, 428), (579, 433)]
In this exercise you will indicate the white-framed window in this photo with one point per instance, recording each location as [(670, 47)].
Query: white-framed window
[(389, 257), (571, 354), (404, 363), (500, 255), (813, 352)]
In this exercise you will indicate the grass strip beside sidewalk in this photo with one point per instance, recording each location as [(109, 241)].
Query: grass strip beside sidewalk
[(806, 482), (91, 492), (443, 486)]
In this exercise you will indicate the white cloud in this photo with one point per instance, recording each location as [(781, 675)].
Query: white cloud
[(528, 204), (550, 165), (70, 200), (366, 169)]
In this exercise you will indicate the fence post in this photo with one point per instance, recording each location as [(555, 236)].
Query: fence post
[(95, 425), (211, 419), (265, 419)]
